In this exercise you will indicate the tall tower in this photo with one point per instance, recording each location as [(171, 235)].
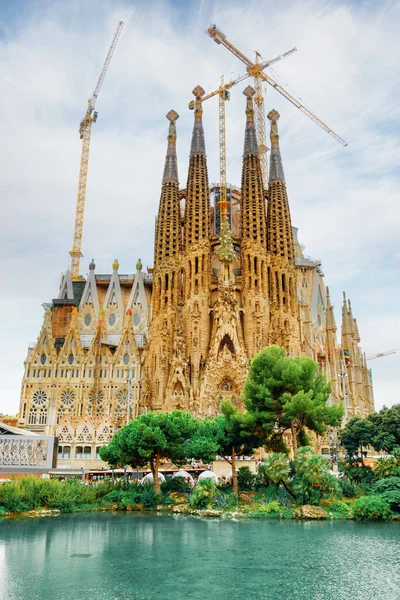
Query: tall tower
[(284, 324), (332, 349), (166, 275), (197, 253), (253, 243)]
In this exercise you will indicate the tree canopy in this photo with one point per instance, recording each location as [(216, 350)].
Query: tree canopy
[(288, 394), (235, 436), (380, 430), (152, 437)]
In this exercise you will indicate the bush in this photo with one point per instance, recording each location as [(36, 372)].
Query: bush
[(371, 508), (389, 490), (357, 473), (275, 492), (312, 481), (340, 510), (226, 500), (348, 487), (245, 479), (31, 493), (204, 494), (149, 498), (387, 467), (271, 510), (123, 497), (176, 484)]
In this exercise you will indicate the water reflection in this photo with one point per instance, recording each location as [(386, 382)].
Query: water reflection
[(107, 556)]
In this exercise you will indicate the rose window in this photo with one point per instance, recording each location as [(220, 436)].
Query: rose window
[(39, 397), (123, 398), (68, 397)]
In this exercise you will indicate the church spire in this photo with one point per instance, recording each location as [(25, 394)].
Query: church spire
[(197, 194), (168, 233), (250, 138), (198, 145), (330, 315), (171, 167), (275, 168), (279, 226), (252, 212)]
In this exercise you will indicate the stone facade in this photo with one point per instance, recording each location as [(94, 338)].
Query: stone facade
[(223, 286)]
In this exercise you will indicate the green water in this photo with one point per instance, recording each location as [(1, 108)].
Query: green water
[(141, 557)]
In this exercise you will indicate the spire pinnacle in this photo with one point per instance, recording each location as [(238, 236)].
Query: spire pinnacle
[(276, 168), (250, 138), (198, 145), (171, 167)]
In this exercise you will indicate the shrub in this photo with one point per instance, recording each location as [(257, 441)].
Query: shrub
[(312, 481), (149, 498), (271, 510), (245, 479), (371, 508), (357, 472), (348, 487), (340, 509), (204, 494), (389, 490), (123, 497), (226, 500), (275, 492), (176, 484), (387, 467)]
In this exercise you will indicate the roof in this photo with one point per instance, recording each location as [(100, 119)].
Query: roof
[(9, 430)]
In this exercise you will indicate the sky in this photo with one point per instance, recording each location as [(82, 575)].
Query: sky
[(345, 201)]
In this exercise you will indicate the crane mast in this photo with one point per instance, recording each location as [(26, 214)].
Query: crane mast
[(85, 130), (223, 95), (255, 69)]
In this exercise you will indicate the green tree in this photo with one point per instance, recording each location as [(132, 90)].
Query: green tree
[(288, 394), (235, 436), (386, 428), (229, 434), (153, 437), (357, 435)]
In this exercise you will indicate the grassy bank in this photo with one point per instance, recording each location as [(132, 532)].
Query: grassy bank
[(267, 502)]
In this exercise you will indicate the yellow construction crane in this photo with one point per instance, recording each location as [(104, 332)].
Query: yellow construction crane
[(223, 95), (256, 70), (85, 130), (379, 354)]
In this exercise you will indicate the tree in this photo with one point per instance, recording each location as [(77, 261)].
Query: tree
[(288, 394), (386, 428), (229, 434), (356, 435), (153, 437)]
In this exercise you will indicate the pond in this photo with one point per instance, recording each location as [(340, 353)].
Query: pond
[(148, 556)]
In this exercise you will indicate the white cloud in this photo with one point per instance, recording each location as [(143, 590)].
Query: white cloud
[(344, 200)]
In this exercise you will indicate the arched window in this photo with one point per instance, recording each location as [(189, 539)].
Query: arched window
[(32, 415)]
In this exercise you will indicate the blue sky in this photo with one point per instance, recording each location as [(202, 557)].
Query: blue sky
[(345, 201)]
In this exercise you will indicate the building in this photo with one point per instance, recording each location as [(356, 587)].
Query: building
[(229, 278)]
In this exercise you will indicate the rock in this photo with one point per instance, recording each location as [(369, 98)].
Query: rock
[(211, 513), (313, 512)]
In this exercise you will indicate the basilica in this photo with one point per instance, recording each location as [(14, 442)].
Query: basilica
[(228, 279)]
